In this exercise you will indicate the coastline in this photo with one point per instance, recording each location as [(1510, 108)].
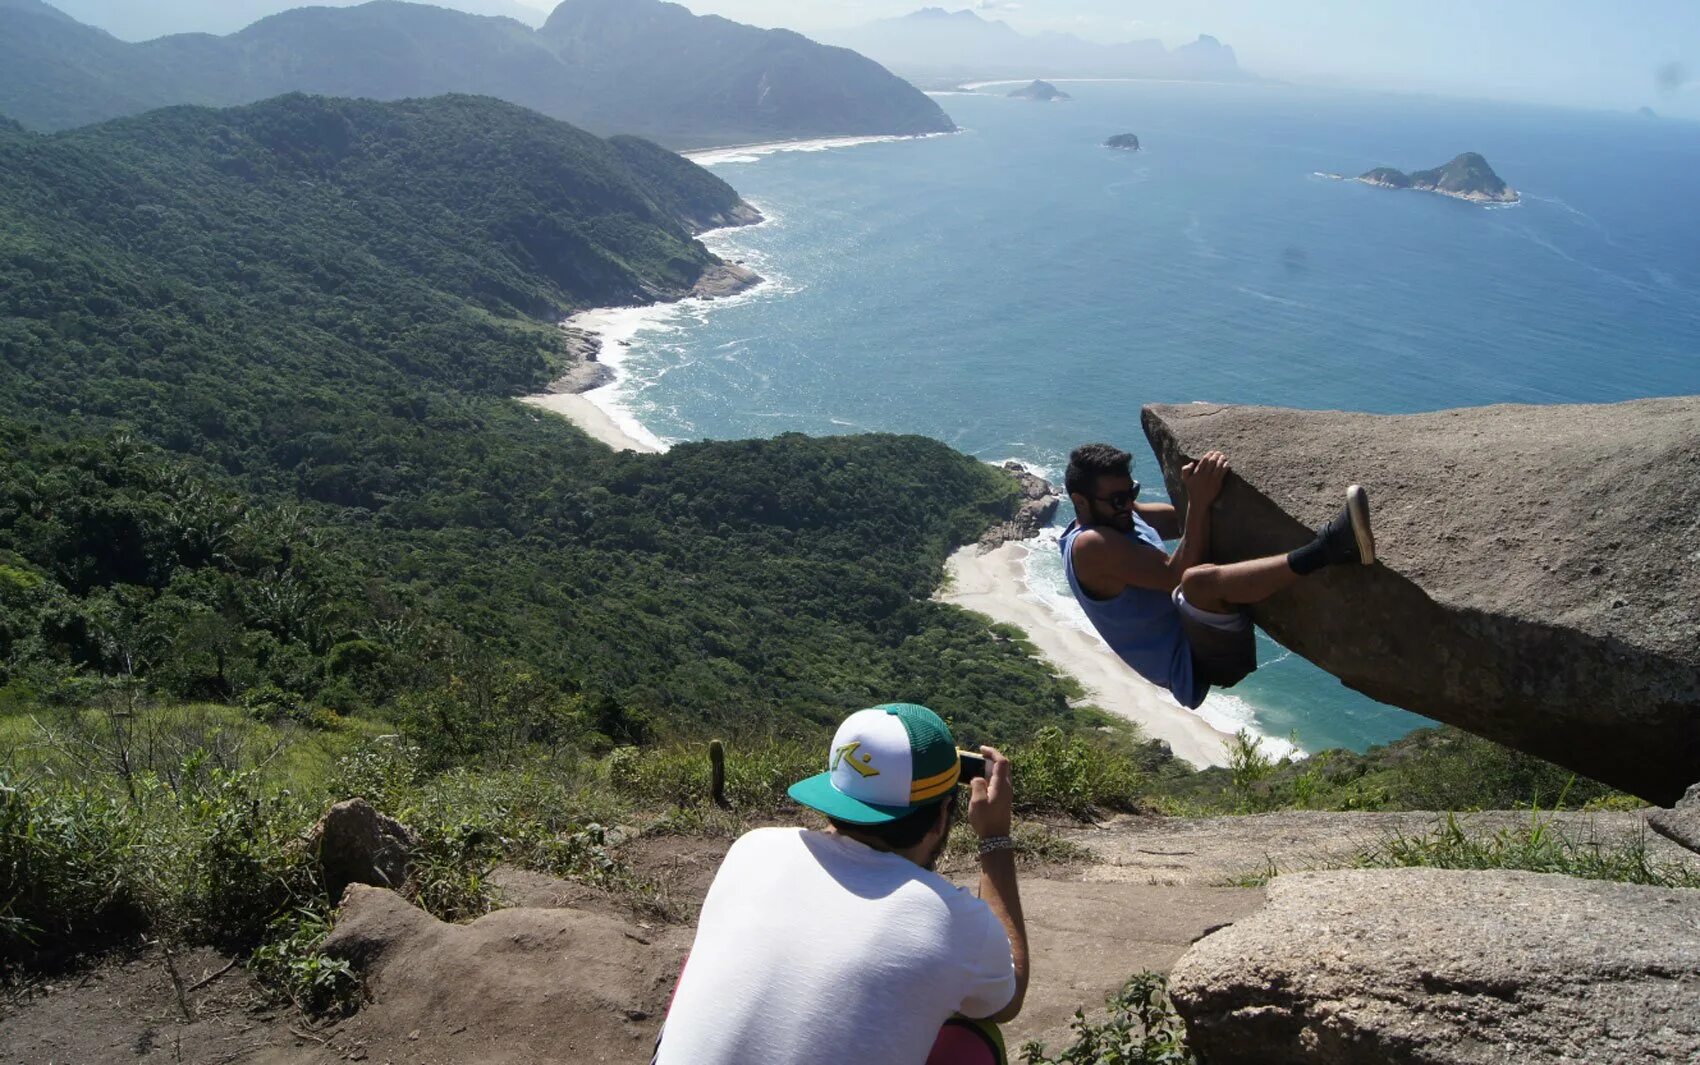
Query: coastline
[(595, 422), (994, 583), (750, 153), (588, 394)]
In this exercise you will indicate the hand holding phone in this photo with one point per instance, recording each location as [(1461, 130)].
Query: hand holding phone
[(973, 765)]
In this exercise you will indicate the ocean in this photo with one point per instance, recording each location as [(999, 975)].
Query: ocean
[(1017, 289)]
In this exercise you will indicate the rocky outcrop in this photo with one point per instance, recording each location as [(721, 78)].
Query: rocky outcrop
[(726, 279), (1466, 177), (584, 372), (1039, 501), (1126, 142), (1681, 825), (355, 844), (1539, 571), (1042, 91), (1443, 967), (741, 214), (516, 987)]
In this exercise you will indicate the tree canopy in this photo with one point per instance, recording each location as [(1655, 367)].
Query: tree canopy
[(258, 446)]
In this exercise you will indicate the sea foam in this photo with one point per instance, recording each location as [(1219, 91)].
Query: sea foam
[(619, 328), (754, 153)]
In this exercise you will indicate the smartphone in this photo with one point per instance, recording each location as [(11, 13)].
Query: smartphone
[(973, 765)]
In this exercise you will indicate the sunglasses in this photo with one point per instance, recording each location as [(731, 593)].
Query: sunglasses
[(1120, 500)]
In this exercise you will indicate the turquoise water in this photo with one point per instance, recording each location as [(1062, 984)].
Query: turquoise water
[(1017, 289)]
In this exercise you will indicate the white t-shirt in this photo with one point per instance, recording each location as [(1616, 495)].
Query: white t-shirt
[(813, 949)]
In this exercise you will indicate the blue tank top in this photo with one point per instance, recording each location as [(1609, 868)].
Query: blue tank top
[(1141, 625)]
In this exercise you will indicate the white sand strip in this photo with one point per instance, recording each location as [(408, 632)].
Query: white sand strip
[(994, 584), (589, 417)]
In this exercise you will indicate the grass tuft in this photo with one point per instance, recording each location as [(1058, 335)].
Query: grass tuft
[(1537, 846)]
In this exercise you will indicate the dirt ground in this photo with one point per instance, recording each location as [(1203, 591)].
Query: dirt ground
[(567, 973)]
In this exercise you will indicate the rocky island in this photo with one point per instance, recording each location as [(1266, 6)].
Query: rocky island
[(1126, 142), (1467, 177), (1041, 91)]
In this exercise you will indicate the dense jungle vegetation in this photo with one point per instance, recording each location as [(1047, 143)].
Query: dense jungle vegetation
[(256, 369), (273, 531)]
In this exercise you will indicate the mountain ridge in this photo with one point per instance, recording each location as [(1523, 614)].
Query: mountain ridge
[(131, 21), (641, 67), (987, 48)]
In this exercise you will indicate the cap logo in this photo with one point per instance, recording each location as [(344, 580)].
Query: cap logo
[(847, 753)]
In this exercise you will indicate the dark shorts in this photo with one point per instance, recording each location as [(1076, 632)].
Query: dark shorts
[(1224, 646)]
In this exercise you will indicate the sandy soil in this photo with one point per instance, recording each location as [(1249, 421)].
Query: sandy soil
[(589, 417), (994, 584)]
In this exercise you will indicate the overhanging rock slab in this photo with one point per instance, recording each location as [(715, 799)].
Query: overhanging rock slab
[(1538, 579)]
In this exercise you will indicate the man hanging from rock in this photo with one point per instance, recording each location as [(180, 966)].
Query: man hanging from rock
[(1180, 621), (843, 947)]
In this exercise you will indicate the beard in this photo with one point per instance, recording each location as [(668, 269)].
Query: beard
[(1121, 521), (932, 863)]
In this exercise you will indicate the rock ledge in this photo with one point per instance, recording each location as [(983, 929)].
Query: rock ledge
[(1539, 572), (1446, 967)]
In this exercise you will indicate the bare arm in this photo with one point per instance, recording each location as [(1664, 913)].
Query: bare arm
[(989, 813), (1161, 516), (1106, 562)]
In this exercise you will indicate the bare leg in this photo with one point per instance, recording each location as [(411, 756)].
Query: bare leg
[(1224, 589)]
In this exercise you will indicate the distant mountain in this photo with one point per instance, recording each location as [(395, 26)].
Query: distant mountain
[(131, 20), (936, 43), (1467, 177), (611, 66)]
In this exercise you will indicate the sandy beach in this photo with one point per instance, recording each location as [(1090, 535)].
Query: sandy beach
[(994, 584), (589, 417)]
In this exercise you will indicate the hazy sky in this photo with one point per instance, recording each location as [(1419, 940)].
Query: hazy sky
[(1587, 52)]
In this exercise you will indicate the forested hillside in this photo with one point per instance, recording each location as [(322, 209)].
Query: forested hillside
[(613, 66), (253, 369)]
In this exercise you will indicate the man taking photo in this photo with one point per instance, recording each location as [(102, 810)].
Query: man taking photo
[(844, 947)]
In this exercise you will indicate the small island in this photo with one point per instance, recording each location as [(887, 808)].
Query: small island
[(1126, 142), (1467, 177), (1042, 91)]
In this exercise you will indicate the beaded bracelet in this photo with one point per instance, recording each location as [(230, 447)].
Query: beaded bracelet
[(995, 843)]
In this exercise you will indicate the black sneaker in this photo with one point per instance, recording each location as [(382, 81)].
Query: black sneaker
[(1348, 538)]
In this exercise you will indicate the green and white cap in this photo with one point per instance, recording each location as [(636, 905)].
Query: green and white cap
[(885, 762)]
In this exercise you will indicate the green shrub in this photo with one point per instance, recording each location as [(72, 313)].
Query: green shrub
[(1075, 775), (291, 962), (272, 704), (83, 867), (1248, 768), (386, 772), (228, 867), (1430, 769), (67, 883), (470, 821), (757, 774), (1141, 1028)]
